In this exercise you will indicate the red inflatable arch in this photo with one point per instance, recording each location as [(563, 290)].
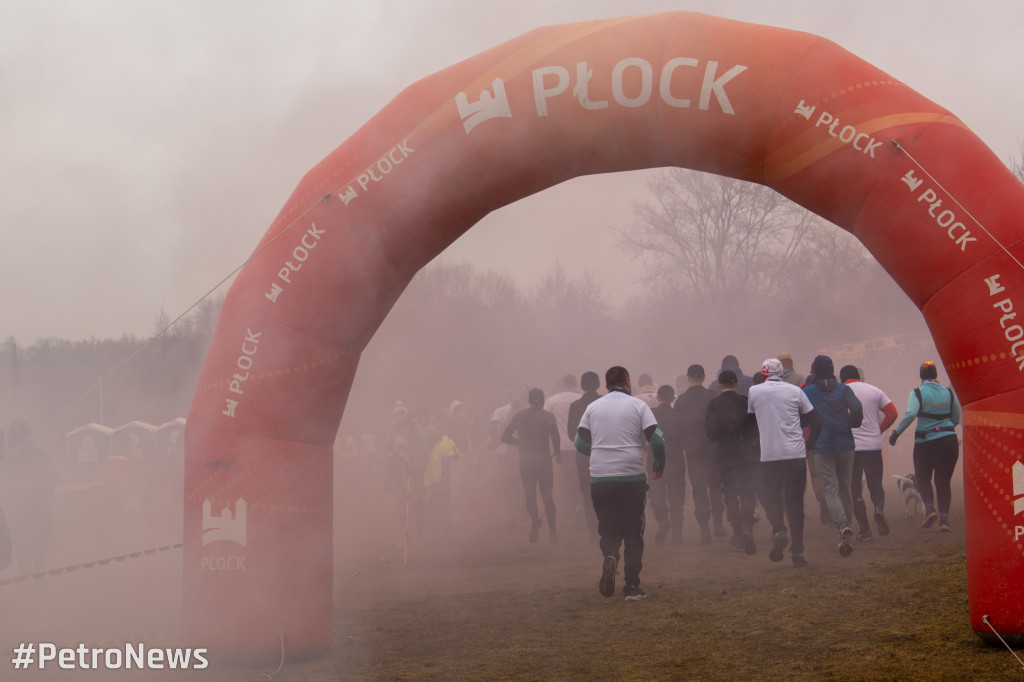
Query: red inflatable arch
[(785, 109)]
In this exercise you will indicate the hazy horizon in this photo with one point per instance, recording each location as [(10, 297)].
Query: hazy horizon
[(149, 148)]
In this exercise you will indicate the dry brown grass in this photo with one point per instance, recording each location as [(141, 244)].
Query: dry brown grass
[(897, 622), (484, 604)]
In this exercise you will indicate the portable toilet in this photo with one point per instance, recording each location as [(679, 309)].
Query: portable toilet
[(87, 448), (133, 450), (136, 441), (170, 445), (169, 485)]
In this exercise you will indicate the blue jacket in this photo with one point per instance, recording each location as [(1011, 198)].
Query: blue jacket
[(840, 412)]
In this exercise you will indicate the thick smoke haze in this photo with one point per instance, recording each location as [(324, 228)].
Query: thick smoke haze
[(147, 148)]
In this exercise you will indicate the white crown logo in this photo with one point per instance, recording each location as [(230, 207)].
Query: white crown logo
[(225, 526)]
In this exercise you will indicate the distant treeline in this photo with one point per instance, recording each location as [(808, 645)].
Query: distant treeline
[(59, 385), (460, 333)]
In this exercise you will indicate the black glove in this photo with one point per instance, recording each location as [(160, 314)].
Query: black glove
[(893, 435)]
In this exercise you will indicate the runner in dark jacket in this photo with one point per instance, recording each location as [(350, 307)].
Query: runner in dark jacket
[(840, 412), (692, 409), (668, 508), (537, 441), (589, 382), (735, 431)]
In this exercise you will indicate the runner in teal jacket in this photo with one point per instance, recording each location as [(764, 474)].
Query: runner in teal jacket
[(936, 446), (936, 417)]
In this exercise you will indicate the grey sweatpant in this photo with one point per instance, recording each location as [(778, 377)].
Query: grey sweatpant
[(835, 469)]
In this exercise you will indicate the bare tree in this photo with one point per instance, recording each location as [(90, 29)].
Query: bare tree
[(713, 237), (447, 285), (1017, 163), (570, 298), (723, 257), (828, 254)]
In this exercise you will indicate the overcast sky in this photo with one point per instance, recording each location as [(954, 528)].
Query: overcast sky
[(147, 146)]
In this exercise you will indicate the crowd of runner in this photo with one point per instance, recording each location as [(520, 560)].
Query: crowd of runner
[(600, 454)]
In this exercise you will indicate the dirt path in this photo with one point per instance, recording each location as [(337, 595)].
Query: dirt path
[(480, 559)]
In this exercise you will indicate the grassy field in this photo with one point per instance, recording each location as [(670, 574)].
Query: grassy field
[(901, 622), (482, 603), (881, 615), (507, 610)]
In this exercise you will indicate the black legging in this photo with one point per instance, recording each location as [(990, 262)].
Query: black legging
[(537, 472), (739, 492), (938, 457), (867, 464), (707, 489)]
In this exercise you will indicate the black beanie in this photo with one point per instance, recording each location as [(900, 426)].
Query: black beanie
[(822, 367), (727, 377)]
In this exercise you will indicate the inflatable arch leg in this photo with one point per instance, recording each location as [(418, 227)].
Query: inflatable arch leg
[(789, 110)]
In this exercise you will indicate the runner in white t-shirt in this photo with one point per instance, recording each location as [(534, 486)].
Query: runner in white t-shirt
[(782, 410), (612, 432), (867, 455), (567, 491)]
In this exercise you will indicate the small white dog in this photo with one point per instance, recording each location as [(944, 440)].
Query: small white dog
[(912, 501)]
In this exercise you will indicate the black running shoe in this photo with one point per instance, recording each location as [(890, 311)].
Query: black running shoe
[(535, 530), (633, 593), (799, 561), (779, 542), (607, 584)]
